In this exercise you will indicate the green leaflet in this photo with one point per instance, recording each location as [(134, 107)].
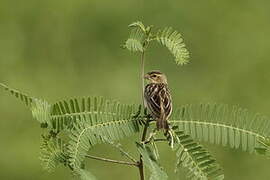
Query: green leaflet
[(174, 42), (137, 37), (198, 162), (27, 100), (141, 36), (139, 25), (151, 163), (41, 111), (135, 41), (86, 119), (40, 108), (93, 110), (116, 124), (53, 153), (219, 124), (265, 148)]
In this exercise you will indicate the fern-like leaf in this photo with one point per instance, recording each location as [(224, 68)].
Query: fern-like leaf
[(265, 147), (53, 153), (66, 113), (174, 42), (41, 111), (27, 100), (198, 161), (151, 163), (135, 41), (219, 124), (109, 120), (138, 24)]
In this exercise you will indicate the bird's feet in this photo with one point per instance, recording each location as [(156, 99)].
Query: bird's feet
[(171, 136)]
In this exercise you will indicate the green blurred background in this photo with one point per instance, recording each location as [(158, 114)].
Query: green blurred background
[(64, 48)]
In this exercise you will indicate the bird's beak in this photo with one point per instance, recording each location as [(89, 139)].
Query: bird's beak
[(147, 76)]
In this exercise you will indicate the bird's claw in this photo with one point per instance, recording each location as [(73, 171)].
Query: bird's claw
[(171, 136)]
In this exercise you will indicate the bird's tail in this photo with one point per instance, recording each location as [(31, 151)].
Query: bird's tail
[(162, 124)]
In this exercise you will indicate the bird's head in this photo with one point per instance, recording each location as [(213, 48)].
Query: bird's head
[(156, 77)]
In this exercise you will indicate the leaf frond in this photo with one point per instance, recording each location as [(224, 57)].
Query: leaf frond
[(27, 100), (105, 121), (136, 38), (41, 111), (174, 42), (93, 110), (40, 108), (151, 162), (53, 153), (138, 24), (223, 125), (265, 147), (198, 161)]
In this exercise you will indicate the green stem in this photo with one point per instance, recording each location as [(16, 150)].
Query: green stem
[(112, 160), (140, 164), (156, 140), (118, 146), (142, 76)]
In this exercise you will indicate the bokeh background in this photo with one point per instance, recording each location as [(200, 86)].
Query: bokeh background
[(56, 49)]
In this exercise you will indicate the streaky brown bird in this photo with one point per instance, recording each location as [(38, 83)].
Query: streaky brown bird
[(158, 99)]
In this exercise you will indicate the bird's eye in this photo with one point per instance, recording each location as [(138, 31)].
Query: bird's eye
[(154, 75)]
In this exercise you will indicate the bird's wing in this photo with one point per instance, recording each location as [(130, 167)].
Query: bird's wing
[(152, 99), (167, 103)]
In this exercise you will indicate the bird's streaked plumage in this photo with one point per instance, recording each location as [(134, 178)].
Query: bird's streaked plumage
[(158, 99)]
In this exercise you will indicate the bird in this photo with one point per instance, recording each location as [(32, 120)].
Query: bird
[(157, 98)]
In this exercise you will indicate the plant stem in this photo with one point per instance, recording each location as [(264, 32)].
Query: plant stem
[(112, 161), (140, 164), (141, 170), (156, 140), (142, 76), (118, 146)]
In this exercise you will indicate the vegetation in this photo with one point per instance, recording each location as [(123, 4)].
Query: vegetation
[(73, 126)]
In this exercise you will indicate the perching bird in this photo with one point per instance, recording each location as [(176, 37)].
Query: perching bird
[(157, 98)]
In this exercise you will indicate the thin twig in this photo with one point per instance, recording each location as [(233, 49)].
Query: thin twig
[(112, 160), (156, 140), (159, 140), (117, 146)]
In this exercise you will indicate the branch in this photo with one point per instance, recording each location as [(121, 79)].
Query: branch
[(156, 140), (112, 161), (117, 146), (140, 165), (142, 76), (146, 125)]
